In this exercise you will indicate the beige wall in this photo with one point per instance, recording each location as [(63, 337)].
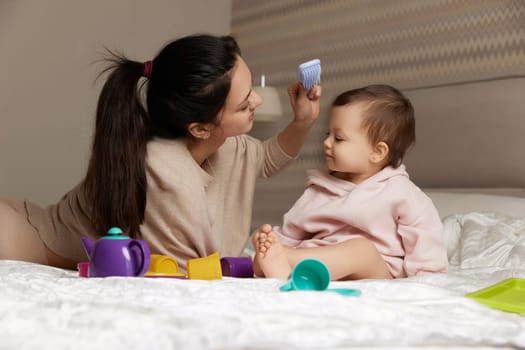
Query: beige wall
[(47, 77)]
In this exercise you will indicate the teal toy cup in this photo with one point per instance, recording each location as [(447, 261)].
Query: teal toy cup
[(312, 274), (308, 274)]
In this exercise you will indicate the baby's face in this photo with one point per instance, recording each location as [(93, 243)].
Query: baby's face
[(347, 149)]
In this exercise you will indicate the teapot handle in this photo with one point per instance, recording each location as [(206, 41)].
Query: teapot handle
[(140, 250)]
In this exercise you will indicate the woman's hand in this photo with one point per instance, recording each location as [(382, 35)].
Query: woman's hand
[(305, 104), (306, 108)]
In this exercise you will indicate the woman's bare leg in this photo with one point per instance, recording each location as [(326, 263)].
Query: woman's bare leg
[(19, 240)]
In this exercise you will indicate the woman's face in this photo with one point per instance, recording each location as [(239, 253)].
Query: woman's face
[(237, 116)]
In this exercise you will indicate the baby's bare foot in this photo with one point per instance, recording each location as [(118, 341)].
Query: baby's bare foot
[(271, 258), (258, 241), (259, 238)]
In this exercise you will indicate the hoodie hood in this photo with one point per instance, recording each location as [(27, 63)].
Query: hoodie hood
[(335, 185)]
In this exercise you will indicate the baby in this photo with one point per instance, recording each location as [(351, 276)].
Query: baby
[(362, 216)]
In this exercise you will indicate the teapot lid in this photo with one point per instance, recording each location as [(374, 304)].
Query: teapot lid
[(115, 233)]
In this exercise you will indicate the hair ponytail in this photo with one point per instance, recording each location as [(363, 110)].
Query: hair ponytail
[(188, 82), (115, 183)]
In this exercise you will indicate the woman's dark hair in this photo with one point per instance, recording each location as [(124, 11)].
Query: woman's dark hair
[(389, 118), (189, 82)]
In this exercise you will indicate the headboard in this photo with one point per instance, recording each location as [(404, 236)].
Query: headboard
[(470, 137)]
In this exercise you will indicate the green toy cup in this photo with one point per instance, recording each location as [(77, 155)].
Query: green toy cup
[(308, 274), (312, 274)]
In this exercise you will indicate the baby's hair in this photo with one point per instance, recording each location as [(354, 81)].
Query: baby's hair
[(388, 118)]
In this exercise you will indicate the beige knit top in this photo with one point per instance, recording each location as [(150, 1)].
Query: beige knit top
[(191, 211)]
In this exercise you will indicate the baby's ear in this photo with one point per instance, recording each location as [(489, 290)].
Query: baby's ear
[(379, 152)]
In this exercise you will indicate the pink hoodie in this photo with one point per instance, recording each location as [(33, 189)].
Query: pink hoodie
[(387, 208)]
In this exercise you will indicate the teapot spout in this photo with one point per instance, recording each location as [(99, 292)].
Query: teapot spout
[(88, 245)]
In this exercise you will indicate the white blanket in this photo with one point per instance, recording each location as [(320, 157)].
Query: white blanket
[(48, 308)]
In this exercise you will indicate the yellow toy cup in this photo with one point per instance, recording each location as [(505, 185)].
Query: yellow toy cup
[(207, 268), (163, 266)]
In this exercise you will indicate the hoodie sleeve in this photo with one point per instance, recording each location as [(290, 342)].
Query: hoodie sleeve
[(421, 232)]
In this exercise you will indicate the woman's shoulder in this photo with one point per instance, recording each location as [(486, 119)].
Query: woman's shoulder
[(169, 163), (248, 148), (241, 143), (161, 146)]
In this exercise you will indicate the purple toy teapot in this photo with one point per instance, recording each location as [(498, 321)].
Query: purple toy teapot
[(116, 255)]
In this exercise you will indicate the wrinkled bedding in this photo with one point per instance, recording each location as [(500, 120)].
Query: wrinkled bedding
[(48, 308)]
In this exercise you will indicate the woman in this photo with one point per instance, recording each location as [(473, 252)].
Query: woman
[(179, 174)]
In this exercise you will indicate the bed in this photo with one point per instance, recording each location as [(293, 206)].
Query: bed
[(477, 186), (49, 308)]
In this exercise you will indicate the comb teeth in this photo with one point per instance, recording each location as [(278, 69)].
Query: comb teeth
[(309, 73)]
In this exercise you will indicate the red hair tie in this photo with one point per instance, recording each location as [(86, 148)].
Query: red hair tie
[(148, 66)]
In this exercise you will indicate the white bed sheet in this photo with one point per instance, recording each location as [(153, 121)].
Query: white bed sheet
[(48, 308)]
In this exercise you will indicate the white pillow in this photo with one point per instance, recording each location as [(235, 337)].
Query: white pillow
[(448, 203), (477, 240)]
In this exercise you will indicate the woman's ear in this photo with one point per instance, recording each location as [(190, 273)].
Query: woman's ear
[(379, 152), (200, 131)]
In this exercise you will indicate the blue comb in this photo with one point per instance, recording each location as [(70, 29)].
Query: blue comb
[(309, 73)]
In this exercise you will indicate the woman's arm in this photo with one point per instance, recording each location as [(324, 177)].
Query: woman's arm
[(305, 108)]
